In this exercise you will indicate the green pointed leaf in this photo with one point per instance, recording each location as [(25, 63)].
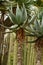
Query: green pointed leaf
[(12, 17), (37, 26), (18, 15), (29, 29), (21, 14), (34, 30), (24, 14)]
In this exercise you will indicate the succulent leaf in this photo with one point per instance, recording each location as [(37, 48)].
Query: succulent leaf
[(24, 14), (12, 17), (18, 15)]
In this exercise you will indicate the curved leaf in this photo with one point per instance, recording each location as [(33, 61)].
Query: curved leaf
[(12, 17)]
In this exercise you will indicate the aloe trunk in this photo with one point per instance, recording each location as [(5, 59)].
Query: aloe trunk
[(25, 54), (42, 56), (20, 54), (20, 35), (39, 46), (38, 59)]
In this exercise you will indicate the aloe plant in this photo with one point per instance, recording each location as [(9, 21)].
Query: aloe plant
[(19, 20), (37, 30)]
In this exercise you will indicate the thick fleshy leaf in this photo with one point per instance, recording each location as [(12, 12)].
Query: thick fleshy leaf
[(21, 14), (32, 19), (24, 14), (18, 15), (12, 17), (37, 26), (13, 27), (29, 29), (34, 30)]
